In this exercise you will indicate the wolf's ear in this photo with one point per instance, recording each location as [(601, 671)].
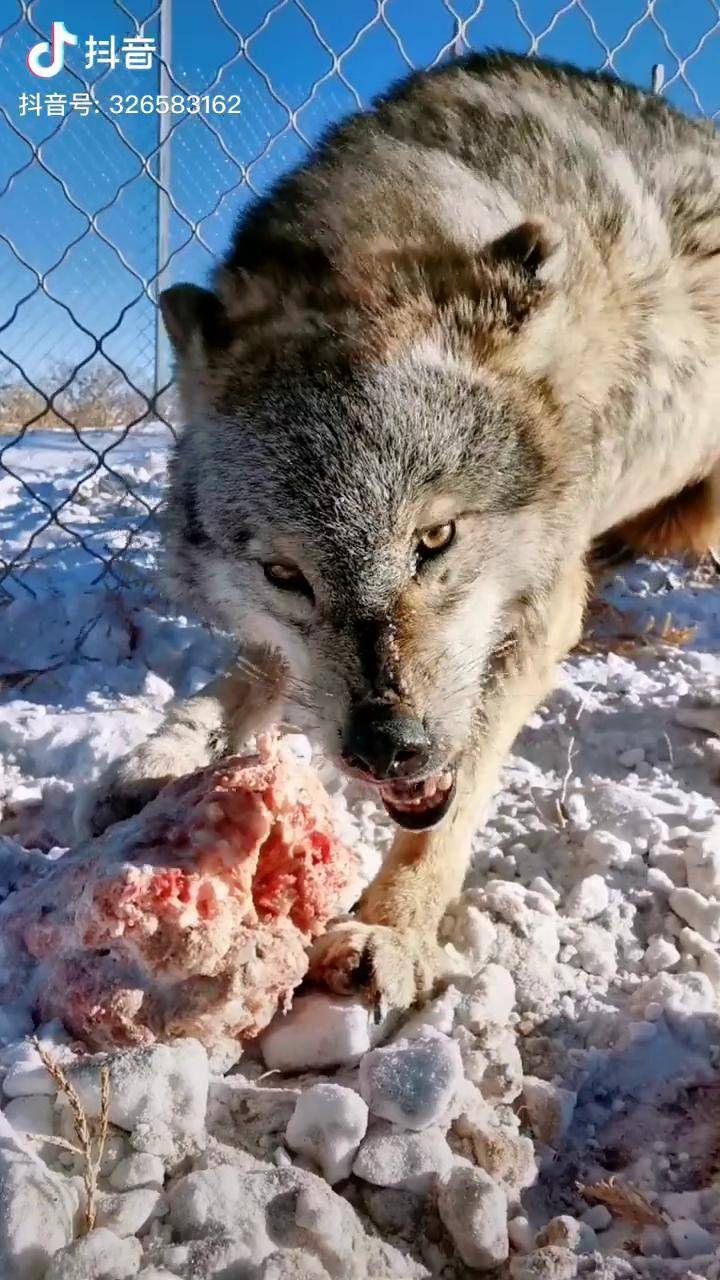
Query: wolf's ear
[(534, 248), (485, 291), (189, 311)]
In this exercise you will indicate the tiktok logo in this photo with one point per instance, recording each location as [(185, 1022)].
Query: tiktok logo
[(60, 37)]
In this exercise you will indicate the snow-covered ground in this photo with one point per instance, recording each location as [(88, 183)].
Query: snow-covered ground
[(577, 1045)]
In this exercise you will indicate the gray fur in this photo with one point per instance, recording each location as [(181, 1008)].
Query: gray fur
[(493, 299), (335, 451)]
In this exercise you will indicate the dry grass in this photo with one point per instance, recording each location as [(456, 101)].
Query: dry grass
[(98, 396), (609, 630), (91, 1135), (625, 1200)]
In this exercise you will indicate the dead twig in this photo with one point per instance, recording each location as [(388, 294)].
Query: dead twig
[(562, 799)]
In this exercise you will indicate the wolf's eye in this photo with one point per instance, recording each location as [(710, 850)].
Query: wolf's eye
[(288, 578), (436, 539)]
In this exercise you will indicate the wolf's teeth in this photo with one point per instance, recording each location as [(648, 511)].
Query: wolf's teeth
[(444, 782), (430, 787)]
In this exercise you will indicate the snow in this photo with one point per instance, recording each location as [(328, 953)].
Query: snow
[(38, 1208), (552, 1263), (101, 1255), (157, 1094), (576, 1040), (249, 1217)]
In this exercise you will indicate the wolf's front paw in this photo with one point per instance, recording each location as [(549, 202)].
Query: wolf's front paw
[(122, 791), (391, 968)]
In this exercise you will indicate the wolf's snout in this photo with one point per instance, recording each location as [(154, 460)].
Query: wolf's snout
[(386, 742)]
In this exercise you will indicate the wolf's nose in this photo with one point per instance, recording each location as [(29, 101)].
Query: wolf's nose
[(386, 742)]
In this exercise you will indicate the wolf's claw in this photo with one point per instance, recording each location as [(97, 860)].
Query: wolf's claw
[(391, 968)]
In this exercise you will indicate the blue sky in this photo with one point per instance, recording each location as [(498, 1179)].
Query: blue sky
[(213, 169)]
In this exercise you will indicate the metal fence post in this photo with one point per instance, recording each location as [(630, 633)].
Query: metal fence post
[(162, 353)]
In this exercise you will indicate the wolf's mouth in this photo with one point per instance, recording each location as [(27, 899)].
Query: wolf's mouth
[(421, 804)]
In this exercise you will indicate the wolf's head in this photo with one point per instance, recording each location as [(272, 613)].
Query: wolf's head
[(368, 482)]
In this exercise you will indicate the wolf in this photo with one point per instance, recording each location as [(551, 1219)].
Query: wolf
[(476, 333)]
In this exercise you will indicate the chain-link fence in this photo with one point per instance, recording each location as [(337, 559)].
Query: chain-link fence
[(131, 139)]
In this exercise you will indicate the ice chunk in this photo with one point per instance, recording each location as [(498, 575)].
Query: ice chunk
[(502, 1075), (550, 1109), (474, 1211), (700, 913), (262, 1211), (320, 1031), (521, 1233), (408, 1160), (595, 948), (298, 1265), (412, 1082), (491, 1001), (598, 1216), (128, 1212), (138, 1170), (328, 1124), (588, 898), (32, 1115), (607, 849), (660, 954), (691, 1240), (26, 1074), (156, 1273)]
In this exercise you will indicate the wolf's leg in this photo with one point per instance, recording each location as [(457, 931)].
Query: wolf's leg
[(197, 730), (390, 950)]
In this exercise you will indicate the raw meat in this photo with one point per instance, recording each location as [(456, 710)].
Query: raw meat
[(192, 918)]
